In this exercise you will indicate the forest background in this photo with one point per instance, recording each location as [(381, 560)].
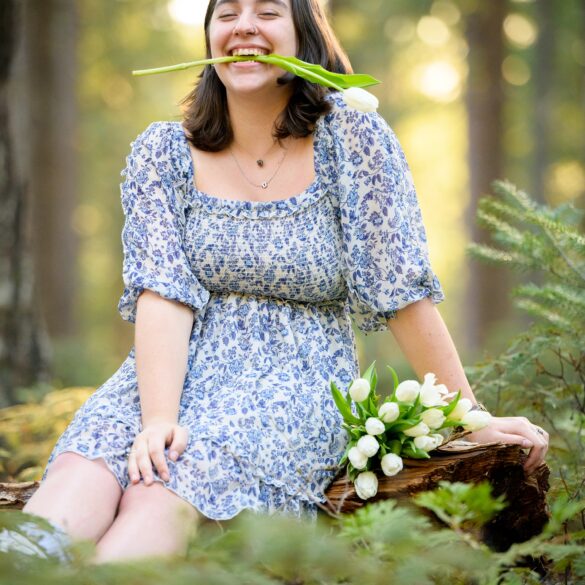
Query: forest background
[(475, 91)]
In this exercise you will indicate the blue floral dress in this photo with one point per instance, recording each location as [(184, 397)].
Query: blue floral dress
[(273, 287)]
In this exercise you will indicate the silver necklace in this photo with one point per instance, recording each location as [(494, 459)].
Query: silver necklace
[(260, 163)]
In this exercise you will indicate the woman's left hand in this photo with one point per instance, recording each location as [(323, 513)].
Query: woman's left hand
[(517, 430)]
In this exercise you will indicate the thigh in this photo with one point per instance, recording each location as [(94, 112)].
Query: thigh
[(160, 502), (79, 494)]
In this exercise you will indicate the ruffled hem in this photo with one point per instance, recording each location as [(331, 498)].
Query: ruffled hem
[(215, 496)]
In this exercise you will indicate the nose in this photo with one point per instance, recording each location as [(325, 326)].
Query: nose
[(244, 25)]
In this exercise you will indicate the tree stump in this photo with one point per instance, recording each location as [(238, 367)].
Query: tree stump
[(500, 464)]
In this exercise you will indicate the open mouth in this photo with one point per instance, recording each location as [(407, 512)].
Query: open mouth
[(248, 52)]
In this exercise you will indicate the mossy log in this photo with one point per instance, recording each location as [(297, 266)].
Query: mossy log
[(500, 464)]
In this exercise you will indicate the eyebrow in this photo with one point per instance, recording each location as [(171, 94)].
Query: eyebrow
[(277, 2)]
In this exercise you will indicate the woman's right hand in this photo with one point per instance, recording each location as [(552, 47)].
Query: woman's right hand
[(149, 447)]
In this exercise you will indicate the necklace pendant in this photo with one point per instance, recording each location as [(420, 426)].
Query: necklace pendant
[(264, 185), (260, 162)]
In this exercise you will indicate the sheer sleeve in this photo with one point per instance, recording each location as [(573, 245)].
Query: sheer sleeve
[(152, 236), (386, 258)]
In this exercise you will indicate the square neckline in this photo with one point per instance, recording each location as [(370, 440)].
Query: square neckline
[(251, 204)]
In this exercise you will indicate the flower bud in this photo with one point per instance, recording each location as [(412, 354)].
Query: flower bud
[(461, 408), (366, 485), (374, 426), (433, 418), (360, 99), (359, 390), (439, 439), (475, 420), (389, 412), (425, 442), (357, 458), (368, 445), (391, 464), (407, 391), (417, 430)]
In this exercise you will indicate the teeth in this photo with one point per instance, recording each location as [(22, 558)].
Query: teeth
[(243, 52)]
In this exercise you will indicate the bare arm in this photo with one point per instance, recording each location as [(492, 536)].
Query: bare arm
[(161, 337), (426, 343), (162, 332), (424, 339)]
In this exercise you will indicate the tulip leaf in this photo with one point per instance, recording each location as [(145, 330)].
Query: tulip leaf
[(451, 423), (447, 410), (404, 424), (344, 409), (367, 375), (395, 381), (318, 74), (395, 447)]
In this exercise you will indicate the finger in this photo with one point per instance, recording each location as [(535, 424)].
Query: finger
[(179, 443), (536, 455), (156, 448), (516, 440), (133, 467), (144, 464)]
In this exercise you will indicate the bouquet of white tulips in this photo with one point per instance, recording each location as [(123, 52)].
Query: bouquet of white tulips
[(407, 424)]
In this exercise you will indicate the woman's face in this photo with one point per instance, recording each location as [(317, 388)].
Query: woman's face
[(237, 26)]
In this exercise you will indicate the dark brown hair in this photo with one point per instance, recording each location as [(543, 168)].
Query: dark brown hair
[(205, 108)]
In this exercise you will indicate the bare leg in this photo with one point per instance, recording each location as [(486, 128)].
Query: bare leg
[(79, 495), (152, 521)]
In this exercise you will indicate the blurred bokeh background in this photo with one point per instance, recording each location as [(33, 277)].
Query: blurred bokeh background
[(474, 90)]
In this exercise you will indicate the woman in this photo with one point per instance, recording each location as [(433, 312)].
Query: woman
[(253, 232)]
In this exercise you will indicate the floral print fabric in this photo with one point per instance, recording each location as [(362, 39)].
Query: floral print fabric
[(273, 287)]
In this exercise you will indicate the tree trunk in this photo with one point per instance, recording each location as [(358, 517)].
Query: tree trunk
[(487, 296), (51, 74), (23, 348)]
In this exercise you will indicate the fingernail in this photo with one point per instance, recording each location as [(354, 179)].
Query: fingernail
[(174, 455), (527, 443), (165, 477)]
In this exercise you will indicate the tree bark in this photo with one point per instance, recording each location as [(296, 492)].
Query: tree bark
[(487, 293), (23, 347), (50, 83), (500, 464)]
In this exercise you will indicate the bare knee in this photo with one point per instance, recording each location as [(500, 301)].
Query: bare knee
[(157, 498), (78, 494)]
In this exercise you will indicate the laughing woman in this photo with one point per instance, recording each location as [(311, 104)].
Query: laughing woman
[(255, 232)]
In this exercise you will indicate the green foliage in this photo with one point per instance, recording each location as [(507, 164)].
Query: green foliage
[(542, 373), (28, 432), (459, 504), (378, 540)]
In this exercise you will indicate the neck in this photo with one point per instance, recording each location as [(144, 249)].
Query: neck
[(252, 119)]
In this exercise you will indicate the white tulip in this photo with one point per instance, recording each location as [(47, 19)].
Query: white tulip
[(359, 390), (425, 442), (360, 99), (475, 420), (433, 418), (389, 412), (357, 458), (461, 408), (417, 430), (391, 464), (368, 445), (439, 439), (407, 391), (366, 485), (374, 426), (431, 394)]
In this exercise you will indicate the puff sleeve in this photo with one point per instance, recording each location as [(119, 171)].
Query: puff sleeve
[(154, 223), (386, 259)]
